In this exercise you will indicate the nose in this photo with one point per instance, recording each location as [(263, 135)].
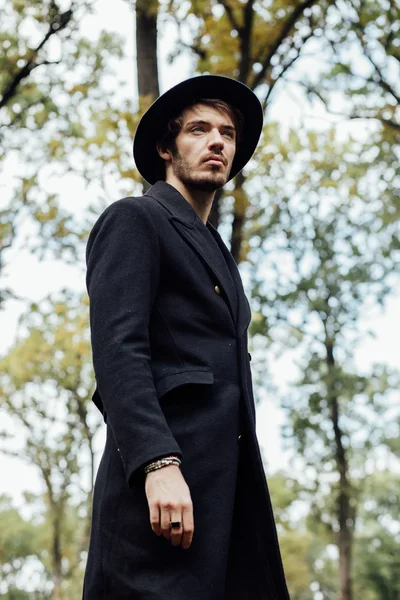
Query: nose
[(216, 141)]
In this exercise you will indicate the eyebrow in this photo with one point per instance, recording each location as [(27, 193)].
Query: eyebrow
[(202, 122)]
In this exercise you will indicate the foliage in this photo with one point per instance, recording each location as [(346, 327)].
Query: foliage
[(323, 255), (344, 54), (18, 541), (310, 559), (56, 116), (362, 60), (296, 543), (26, 544), (378, 543), (46, 382)]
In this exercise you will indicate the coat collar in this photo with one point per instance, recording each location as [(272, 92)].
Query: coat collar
[(174, 202), (202, 239)]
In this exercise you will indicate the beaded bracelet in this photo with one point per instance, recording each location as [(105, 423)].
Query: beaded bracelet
[(162, 462)]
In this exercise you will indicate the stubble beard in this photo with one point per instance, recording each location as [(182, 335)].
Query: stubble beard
[(209, 181)]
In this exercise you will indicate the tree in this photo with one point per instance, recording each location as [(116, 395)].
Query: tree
[(25, 549), (18, 541), (258, 43), (147, 51), (378, 546), (329, 257), (296, 542), (262, 43), (363, 56), (309, 557), (55, 117), (146, 17), (46, 382)]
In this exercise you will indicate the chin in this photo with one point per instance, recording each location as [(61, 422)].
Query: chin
[(208, 183)]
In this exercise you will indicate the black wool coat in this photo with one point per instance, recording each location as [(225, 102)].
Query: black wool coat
[(169, 322)]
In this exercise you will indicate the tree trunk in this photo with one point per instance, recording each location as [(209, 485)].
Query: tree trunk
[(146, 50), (239, 209), (345, 513), (89, 500), (56, 558), (56, 513), (146, 55), (239, 217)]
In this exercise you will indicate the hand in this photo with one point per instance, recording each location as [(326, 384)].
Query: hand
[(169, 499)]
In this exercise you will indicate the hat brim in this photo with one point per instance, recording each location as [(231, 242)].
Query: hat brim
[(170, 104)]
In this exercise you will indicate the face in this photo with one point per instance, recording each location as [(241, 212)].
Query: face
[(205, 148)]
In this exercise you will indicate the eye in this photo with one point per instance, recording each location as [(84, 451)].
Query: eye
[(197, 128), (230, 134)]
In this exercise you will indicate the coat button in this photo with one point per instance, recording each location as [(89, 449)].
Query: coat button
[(217, 290), (239, 438), (249, 355)]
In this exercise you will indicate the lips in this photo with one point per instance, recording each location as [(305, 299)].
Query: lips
[(215, 159)]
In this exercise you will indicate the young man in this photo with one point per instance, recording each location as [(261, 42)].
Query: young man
[(181, 508)]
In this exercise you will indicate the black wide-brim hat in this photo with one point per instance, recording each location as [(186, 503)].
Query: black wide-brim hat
[(170, 104)]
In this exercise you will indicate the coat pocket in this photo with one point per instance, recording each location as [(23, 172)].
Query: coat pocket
[(170, 381)]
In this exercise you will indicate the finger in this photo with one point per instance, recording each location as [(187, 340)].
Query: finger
[(165, 521), (188, 524), (176, 532), (155, 518)]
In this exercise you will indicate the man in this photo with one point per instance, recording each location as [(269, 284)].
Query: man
[(181, 507)]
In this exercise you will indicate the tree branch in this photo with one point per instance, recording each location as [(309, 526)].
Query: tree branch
[(382, 82), (288, 25), (310, 90), (284, 69), (196, 48), (231, 15), (59, 22)]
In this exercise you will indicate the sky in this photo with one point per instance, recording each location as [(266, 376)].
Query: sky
[(34, 280)]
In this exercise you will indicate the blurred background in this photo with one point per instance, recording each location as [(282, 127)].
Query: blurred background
[(313, 222)]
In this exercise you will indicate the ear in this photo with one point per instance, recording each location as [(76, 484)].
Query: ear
[(165, 154)]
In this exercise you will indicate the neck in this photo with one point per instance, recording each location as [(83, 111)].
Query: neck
[(200, 200)]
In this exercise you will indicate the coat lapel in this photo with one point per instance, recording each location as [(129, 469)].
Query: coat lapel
[(243, 315), (202, 242), (203, 239)]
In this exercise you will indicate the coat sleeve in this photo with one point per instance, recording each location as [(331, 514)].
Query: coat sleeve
[(123, 265)]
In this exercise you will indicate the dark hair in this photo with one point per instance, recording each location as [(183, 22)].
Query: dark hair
[(174, 125)]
